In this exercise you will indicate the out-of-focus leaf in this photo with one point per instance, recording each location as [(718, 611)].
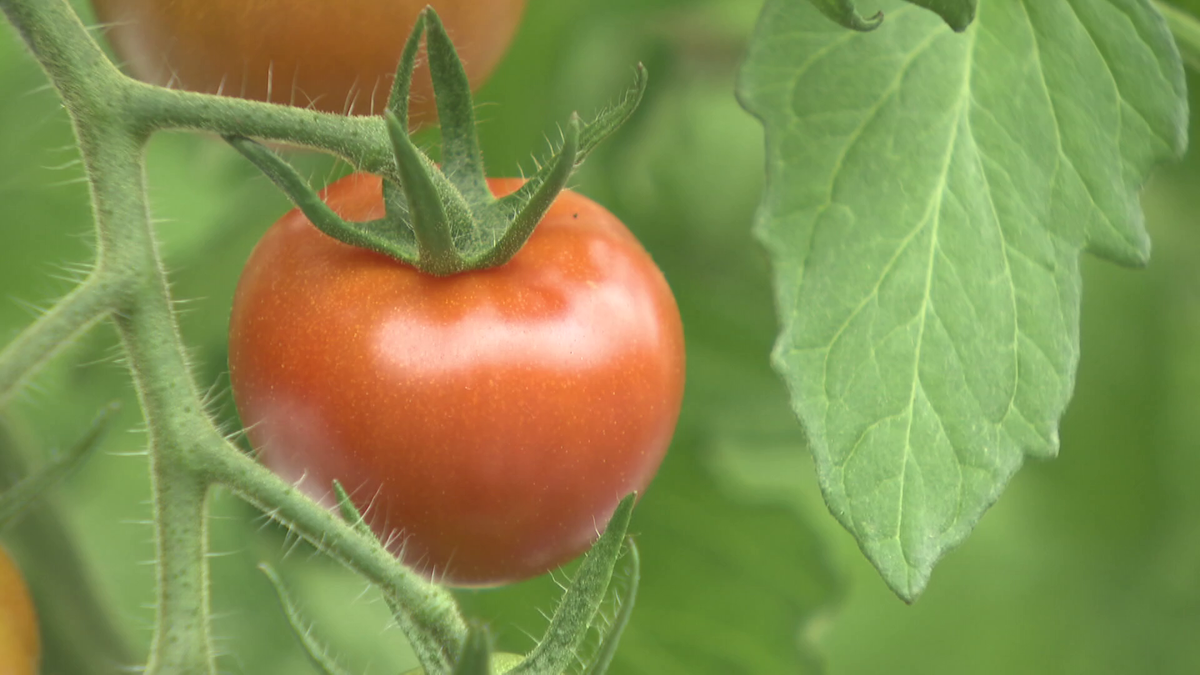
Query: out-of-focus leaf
[(78, 629), (929, 195), (846, 13), (957, 14), (734, 584)]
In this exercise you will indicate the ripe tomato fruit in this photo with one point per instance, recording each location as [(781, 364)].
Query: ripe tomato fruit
[(487, 422), (19, 642), (336, 55)]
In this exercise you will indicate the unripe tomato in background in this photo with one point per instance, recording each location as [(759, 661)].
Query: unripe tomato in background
[(334, 55), (20, 646)]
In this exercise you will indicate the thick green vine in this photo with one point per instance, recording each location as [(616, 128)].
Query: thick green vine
[(113, 117)]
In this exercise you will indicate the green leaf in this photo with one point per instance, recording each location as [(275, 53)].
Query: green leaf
[(928, 197), (733, 586)]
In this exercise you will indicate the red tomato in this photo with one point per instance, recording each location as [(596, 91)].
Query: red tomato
[(338, 56), (488, 422), (19, 643)]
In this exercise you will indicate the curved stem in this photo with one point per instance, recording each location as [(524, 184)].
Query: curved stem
[(362, 141), (113, 117), (86, 304), (170, 402), (428, 614), (112, 152), (16, 499), (317, 211), (91, 86), (318, 655), (75, 63)]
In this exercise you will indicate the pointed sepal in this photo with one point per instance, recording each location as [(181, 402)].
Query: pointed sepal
[(462, 160), (569, 626), (608, 647), (349, 511), (429, 208), (613, 117), (444, 220), (531, 201), (363, 235), (402, 83)]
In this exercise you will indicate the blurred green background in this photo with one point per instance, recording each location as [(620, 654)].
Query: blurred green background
[(1088, 564)]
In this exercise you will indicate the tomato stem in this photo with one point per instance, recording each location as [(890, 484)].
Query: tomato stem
[(318, 655), (444, 220), (15, 499)]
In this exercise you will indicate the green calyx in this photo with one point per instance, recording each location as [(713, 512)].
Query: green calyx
[(444, 220)]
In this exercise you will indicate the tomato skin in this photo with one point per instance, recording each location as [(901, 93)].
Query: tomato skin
[(490, 421), (337, 55), (20, 645)]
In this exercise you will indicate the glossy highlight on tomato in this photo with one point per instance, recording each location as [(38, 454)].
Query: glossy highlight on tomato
[(20, 645), (487, 422), (338, 56)]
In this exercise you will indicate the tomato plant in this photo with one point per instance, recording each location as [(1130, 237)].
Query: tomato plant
[(335, 56), (502, 662), (19, 641), (487, 421)]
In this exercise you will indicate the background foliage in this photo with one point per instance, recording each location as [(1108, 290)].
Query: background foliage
[(1088, 564)]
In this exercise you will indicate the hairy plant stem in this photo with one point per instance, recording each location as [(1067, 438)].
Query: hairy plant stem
[(113, 117), (169, 398), (112, 154), (362, 141), (427, 612)]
